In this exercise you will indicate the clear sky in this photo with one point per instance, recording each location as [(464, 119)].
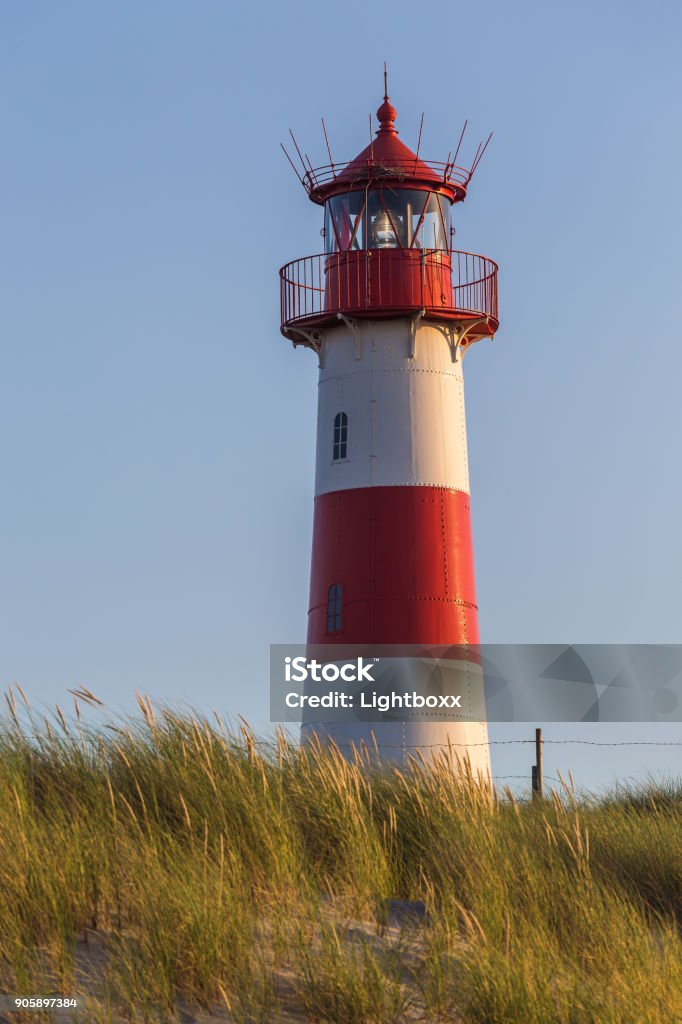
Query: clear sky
[(157, 432)]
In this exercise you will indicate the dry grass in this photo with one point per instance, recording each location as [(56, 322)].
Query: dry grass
[(191, 869)]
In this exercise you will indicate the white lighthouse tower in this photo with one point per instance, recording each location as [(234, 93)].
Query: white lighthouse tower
[(390, 309)]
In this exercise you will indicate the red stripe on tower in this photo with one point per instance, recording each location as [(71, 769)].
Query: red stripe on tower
[(403, 559)]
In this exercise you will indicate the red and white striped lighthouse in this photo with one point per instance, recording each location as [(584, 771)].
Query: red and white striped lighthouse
[(390, 309)]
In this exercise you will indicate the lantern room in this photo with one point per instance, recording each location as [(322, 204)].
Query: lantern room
[(387, 218), (387, 242)]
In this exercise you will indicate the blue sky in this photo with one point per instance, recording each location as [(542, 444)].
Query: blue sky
[(157, 431)]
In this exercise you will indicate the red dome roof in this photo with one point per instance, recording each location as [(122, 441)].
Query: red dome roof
[(386, 159), (387, 156)]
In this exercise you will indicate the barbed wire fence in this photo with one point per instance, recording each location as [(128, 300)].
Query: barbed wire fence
[(537, 776)]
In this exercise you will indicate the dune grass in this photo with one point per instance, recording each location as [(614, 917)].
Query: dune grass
[(165, 863)]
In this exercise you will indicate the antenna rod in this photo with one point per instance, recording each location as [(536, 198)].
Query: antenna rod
[(454, 159), (473, 166), (385, 82), (480, 155), (293, 165), (419, 141), (305, 169), (331, 159)]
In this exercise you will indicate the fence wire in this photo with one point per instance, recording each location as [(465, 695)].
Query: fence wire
[(502, 743)]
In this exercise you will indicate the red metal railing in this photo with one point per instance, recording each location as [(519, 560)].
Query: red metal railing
[(326, 174), (385, 282)]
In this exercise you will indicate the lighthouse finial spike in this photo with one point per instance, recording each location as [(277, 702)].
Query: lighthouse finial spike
[(386, 112)]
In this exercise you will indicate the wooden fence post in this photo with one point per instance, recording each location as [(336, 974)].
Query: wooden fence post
[(537, 775)]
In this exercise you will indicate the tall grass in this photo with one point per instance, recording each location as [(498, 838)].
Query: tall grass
[(165, 862)]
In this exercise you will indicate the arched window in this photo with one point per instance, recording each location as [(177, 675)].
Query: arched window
[(335, 608), (340, 445)]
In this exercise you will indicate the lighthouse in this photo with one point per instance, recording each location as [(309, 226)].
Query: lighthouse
[(390, 309)]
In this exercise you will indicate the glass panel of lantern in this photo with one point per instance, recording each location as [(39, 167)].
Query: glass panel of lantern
[(342, 230), (328, 231), (432, 230), (386, 219)]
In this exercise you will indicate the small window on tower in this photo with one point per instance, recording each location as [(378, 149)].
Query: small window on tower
[(340, 445), (334, 608)]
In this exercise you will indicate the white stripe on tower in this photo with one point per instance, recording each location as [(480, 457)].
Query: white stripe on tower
[(406, 424)]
